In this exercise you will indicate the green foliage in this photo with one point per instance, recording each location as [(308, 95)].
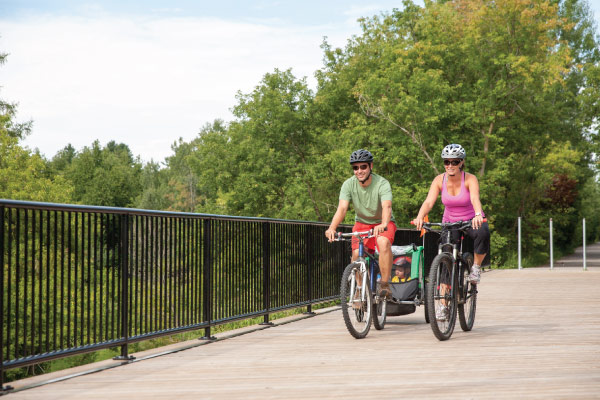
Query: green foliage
[(102, 176)]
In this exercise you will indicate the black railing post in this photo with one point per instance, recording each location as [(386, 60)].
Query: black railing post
[(266, 271), (124, 289), (4, 388), (207, 278), (308, 244)]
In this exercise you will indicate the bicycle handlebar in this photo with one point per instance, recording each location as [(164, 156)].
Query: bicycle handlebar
[(361, 235), (446, 225)]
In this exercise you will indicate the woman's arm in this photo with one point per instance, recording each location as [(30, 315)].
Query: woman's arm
[(472, 185), (434, 192)]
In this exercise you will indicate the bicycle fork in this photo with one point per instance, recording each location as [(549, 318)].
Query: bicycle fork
[(362, 286)]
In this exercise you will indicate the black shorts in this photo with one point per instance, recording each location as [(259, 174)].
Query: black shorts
[(481, 238)]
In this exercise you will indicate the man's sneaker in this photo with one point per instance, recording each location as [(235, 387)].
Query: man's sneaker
[(475, 275), (384, 291), (441, 314)]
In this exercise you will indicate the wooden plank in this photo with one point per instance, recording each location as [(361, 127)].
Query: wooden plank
[(536, 335)]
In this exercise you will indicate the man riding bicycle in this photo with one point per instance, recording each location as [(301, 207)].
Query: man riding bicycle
[(371, 196)]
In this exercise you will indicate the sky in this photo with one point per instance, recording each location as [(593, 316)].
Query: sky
[(146, 73)]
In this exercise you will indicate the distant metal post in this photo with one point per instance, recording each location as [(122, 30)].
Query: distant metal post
[(551, 247), (584, 260), (519, 240)]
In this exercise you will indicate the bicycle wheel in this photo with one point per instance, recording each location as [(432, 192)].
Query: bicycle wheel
[(379, 314), (424, 283), (356, 302), (441, 305), (425, 304), (468, 302)]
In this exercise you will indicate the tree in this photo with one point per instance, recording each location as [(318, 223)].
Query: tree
[(263, 163), (23, 174), (513, 81), (108, 176)]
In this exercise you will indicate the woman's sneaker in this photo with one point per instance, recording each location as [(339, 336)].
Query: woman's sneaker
[(441, 314), (475, 275)]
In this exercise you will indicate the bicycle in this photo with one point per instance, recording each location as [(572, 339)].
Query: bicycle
[(361, 306), (449, 289)]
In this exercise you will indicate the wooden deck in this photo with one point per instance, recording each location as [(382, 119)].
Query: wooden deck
[(536, 335)]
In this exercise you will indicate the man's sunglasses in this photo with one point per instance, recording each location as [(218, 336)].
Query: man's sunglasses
[(453, 162), (362, 167)]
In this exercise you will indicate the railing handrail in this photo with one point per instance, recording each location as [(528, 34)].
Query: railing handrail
[(38, 205)]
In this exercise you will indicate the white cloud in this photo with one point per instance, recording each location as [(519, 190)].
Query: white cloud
[(142, 81)]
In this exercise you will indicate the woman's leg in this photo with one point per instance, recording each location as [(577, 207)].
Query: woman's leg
[(481, 238)]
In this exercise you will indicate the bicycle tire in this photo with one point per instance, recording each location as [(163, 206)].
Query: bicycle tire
[(468, 304), (379, 314), (427, 321), (424, 283), (440, 275), (357, 320)]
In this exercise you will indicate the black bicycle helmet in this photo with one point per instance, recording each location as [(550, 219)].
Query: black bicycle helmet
[(361, 156), (454, 151)]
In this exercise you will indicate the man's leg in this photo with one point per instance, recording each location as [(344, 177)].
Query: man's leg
[(385, 266), (385, 258)]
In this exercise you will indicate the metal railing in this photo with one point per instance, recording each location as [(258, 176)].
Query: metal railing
[(77, 279)]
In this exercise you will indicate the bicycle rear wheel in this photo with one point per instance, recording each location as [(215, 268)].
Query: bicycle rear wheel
[(468, 302), (441, 304), (379, 314), (356, 302)]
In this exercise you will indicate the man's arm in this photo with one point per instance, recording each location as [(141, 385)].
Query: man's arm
[(339, 216), (386, 216)]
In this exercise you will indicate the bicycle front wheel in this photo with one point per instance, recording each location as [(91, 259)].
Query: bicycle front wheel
[(468, 300), (356, 301), (441, 303)]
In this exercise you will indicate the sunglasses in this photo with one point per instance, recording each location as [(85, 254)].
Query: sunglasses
[(453, 162), (362, 167)]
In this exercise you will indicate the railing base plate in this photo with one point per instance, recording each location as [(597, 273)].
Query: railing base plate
[(124, 358), (6, 389)]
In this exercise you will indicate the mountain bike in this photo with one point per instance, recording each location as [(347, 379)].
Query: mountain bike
[(361, 306), (449, 290)]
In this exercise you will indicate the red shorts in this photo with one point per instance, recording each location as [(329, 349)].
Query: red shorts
[(372, 242)]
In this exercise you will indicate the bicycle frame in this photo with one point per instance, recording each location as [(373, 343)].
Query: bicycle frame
[(456, 253), (362, 260)]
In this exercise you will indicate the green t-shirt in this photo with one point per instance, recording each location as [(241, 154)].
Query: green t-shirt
[(367, 201)]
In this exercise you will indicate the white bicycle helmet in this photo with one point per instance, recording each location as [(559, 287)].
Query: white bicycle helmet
[(454, 151)]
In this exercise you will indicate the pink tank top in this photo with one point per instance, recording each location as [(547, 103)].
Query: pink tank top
[(459, 207)]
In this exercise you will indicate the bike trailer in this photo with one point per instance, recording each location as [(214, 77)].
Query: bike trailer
[(405, 278)]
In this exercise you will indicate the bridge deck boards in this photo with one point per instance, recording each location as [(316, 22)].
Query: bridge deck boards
[(536, 335)]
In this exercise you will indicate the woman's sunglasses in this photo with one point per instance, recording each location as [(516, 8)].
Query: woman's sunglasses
[(453, 162), (362, 167)]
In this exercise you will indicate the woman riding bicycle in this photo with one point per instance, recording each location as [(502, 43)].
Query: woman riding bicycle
[(460, 196)]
